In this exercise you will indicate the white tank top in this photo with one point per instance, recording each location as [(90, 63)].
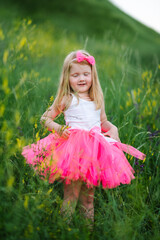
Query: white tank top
[(83, 114)]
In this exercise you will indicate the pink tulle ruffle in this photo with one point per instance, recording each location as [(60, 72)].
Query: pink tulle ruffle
[(85, 155)]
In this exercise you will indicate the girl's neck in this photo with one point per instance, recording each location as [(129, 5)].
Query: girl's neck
[(84, 96)]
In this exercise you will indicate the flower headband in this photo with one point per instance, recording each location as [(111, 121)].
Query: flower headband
[(81, 57)]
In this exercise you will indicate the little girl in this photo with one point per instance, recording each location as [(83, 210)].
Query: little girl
[(80, 153)]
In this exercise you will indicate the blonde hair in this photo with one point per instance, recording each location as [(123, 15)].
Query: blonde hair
[(95, 92)]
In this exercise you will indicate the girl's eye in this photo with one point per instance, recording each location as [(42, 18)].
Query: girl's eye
[(86, 74), (75, 75)]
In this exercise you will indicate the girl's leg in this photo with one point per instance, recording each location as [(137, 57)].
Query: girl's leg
[(86, 199), (71, 195)]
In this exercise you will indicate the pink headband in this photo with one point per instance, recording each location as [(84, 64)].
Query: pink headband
[(81, 57)]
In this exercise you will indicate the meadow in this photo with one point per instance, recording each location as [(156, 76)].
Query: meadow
[(31, 57)]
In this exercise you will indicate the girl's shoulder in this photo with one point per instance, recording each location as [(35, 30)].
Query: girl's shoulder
[(61, 104), (66, 101)]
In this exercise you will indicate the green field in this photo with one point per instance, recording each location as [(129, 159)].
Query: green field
[(35, 37)]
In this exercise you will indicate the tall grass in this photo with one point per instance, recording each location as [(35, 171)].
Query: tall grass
[(31, 57)]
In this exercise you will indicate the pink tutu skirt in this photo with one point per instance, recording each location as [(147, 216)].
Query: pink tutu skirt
[(85, 155)]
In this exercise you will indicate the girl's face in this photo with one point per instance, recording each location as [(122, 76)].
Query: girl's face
[(80, 78)]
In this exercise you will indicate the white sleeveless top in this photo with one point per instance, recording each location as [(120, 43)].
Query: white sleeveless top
[(83, 114)]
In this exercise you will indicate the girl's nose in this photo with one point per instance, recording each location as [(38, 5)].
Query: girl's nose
[(81, 77)]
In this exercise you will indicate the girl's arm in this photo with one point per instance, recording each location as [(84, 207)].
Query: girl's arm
[(107, 127), (51, 113)]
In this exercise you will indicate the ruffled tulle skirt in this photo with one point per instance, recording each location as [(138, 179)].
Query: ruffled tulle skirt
[(85, 155)]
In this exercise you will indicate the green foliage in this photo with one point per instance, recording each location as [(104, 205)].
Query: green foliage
[(92, 18), (31, 57)]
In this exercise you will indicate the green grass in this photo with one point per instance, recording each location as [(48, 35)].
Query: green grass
[(31, 57)]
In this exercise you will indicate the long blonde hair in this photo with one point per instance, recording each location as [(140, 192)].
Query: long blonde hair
[(95, 92)]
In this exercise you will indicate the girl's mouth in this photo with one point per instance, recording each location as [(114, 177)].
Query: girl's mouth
[(81, 84)]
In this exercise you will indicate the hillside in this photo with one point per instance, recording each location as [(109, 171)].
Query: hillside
[(91, 18)]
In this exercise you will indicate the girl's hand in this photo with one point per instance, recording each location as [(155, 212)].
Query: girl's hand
[(113, 133), (63, 131)]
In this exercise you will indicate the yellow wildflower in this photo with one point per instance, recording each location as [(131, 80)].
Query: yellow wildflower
[(22, 43), (144, 74), (20, 142), (2, 109), (156, 91), (149, 103), (144, 160), (49, 191), (1, 34), (17, 117), (134, 93), (128, 93), (154, 103), (51, 99), (40, 206), (139, 100), (139, 91), (29, 22), (5, 56), (131, 157), (26, 201), (45, 131), (128, 103), (4, 126), (147, 75), (5, 86), (10, 182), (8, 135), (37, 136)]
